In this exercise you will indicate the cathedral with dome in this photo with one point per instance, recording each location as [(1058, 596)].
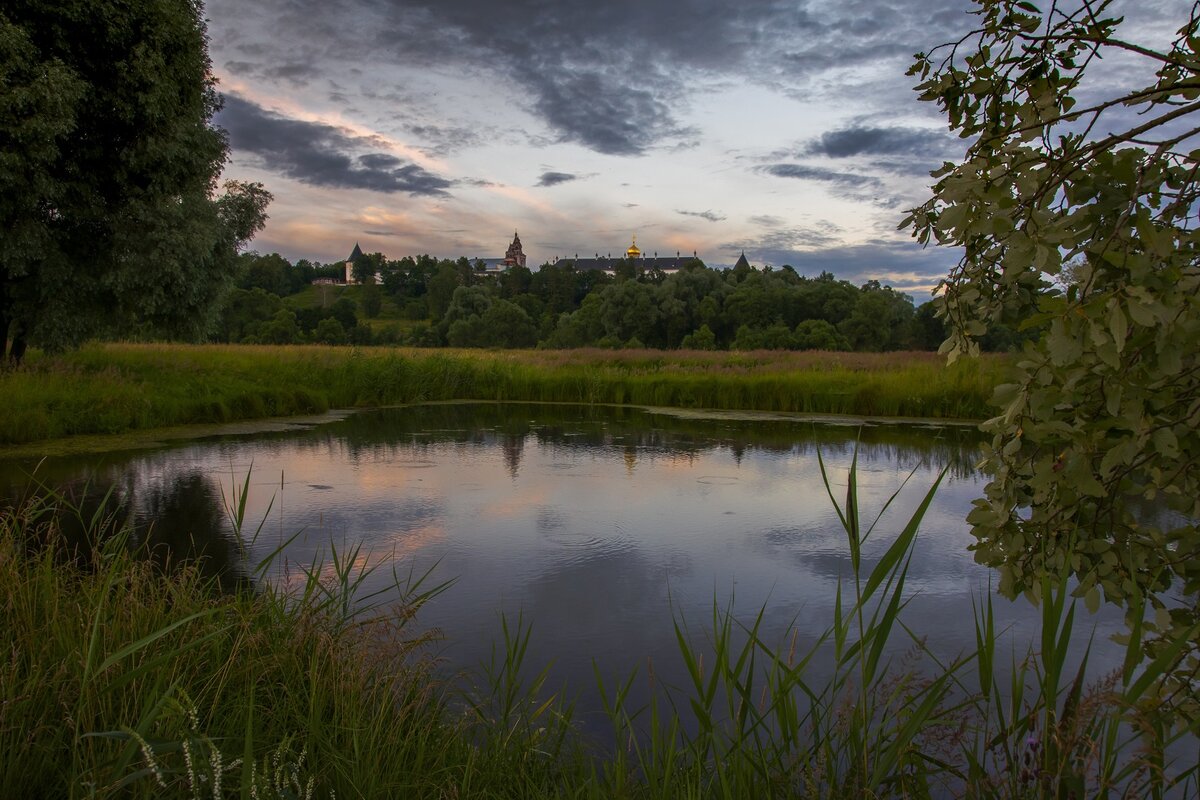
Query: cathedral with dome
[(633, 255), (515, 256)]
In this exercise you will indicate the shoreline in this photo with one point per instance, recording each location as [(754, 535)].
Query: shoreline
[(115, 396)]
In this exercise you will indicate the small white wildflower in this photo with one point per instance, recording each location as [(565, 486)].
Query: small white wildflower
[(299, 765), (191, 770), (148, 755), (214, 765)]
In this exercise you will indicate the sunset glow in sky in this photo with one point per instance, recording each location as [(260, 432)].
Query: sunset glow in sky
[(785, 129)]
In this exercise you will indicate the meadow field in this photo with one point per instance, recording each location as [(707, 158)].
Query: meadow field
[(117, 388)]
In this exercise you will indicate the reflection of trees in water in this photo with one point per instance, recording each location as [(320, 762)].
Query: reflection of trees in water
[(184, 518), (82, 514), (177, 520), (387, 433), (512, 446), (180, 511)]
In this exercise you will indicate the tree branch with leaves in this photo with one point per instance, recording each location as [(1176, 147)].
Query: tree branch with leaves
[(1075, 207)]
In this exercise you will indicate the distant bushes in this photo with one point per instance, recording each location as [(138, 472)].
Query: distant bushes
[(459, 305)]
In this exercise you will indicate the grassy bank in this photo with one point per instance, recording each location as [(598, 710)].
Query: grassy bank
[(119, 388), (123, 678)]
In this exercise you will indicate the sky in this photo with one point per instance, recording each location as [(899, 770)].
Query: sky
[(785, 130)]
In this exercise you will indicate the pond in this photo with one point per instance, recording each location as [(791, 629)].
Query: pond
[(600, 526)]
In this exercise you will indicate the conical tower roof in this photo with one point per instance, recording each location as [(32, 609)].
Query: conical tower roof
[(742, 262), (355, 253)]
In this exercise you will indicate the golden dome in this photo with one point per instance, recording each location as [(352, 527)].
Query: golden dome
[(633, 251)]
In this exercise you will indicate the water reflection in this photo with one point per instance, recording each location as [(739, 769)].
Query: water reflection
[(179, 519), (599, 524), (639, 432)]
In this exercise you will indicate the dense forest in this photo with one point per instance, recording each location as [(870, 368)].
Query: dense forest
[(428, 302)]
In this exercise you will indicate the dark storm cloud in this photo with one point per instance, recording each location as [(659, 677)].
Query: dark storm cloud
[(294, 72), (602, 111), (859, 140), (790, 240), (555, 178), (615, 76), (319, 154), (445, 139), (241, 67), (903, 265), (807, 173), (711, 216), (297, 72)]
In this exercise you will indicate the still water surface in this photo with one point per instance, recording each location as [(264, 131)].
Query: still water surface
[(600, 525)]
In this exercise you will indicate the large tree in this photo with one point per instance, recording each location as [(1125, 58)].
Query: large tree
[(1082, 152), (108, 170)]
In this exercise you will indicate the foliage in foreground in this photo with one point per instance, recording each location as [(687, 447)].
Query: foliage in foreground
[(125, 680), (119, 388), (1094, 192), (121, 678)]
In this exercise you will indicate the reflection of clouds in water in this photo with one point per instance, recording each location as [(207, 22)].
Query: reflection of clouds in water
[(588, 594), (784, 536), (402, 525), (550, 519), (610, 611), (595, 552)]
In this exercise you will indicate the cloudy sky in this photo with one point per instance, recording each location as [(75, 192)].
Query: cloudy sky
[(784, 128)]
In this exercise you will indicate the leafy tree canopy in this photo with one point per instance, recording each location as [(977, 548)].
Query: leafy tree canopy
[(108, 169), (1094, 461)]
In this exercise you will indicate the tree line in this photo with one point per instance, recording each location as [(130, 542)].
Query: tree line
[(455, 303)]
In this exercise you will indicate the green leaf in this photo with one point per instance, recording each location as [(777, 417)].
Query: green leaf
[(1117, 325)]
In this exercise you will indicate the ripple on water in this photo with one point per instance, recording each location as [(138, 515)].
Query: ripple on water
[(549, 520), (718, 480), (579, 549)]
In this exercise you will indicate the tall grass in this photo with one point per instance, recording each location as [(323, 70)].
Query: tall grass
[(120, 679), (765, 726), (125, 679), (118, 388)]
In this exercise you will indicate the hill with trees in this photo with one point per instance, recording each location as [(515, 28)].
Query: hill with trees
[(427, 302)]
